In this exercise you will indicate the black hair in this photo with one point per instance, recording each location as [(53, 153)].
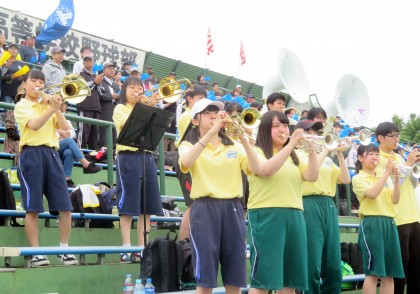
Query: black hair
[(34, 74), (315, 111), (194, 134), (130, 80), (257, 105), (273, 97), (385, 128), (214, 84), (198, 90), (264, 139), (361, 150), (230, 107), (84, 48)]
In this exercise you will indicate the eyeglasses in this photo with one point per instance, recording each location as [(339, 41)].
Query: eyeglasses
[(393, 136)]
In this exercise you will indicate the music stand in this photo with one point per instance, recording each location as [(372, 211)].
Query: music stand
[(144, 129)]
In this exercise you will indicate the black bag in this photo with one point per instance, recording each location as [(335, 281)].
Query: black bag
[(7, 199), (350, 254), (162, 261), (76, 198), (188, 281)]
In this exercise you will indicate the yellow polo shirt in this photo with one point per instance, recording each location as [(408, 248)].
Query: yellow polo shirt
[(26, 110), (121, 114), (382, 205), (283, 189), (407, 207), (183, 122), (217, 171), (327, 180)]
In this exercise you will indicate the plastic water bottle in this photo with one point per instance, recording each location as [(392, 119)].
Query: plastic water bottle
[(128, 285), (149, 288), (138, 288)]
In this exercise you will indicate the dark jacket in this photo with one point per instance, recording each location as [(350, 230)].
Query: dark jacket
[(91, 102), (106, 100)]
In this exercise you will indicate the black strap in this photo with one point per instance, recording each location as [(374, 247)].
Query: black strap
[(164, 265)]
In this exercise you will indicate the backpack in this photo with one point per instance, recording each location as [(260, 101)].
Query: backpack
[(7, 199), (105, 207), (188, 281), (350, 254), (162, 261)]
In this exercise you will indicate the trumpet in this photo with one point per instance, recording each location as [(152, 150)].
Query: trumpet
[(171, 90), (250, 118), (402, 171), (73, 89), (329, 141), (364, 137)]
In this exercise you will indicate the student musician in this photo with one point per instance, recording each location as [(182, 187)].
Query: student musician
[(378, 234)]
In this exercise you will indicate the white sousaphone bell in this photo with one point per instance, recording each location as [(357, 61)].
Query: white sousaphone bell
[(351, 101), (291, 78)]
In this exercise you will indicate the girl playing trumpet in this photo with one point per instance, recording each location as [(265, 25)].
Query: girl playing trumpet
[(217, 224), (129, 166), (378, 235), (40, 170)]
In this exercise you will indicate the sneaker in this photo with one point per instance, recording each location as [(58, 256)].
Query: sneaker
[(91, 169), (70, 184), (137, 257), (125, 258), (39, 260), (67, 259)]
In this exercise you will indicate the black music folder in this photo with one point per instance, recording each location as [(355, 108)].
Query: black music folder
[(145, 127)]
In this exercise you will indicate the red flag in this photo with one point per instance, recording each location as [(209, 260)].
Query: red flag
[(209, 44), (242, 54)]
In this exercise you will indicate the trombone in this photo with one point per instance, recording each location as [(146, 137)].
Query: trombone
[(73, 89), (171, 90)]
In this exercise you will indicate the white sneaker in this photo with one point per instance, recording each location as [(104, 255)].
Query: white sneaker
[(39, 260), (67, 259)]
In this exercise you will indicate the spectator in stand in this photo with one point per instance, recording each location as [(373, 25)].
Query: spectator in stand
[(239, 89), (9, 82), (117, 77), (235, 93), (91, 106), (303, 114), (216, 89), (39, 167), (78, 66), (338, 127), (202, 81), (125, 71), (11, 141), (2, 47), (108, 98), (257, 105), (250, 98), (317, 114), (28, 52), (135, 72), (53, 69), (276, 101), (351, 158), (149, 70), (69, 151)]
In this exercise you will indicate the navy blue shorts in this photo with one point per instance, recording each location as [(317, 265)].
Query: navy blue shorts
[(40, 171), (130, 186), (218, 235)]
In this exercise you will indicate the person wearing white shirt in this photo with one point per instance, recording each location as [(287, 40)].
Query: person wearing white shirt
[(78, 66)]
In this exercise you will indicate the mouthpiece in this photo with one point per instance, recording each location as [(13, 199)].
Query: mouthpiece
[(38, 89)]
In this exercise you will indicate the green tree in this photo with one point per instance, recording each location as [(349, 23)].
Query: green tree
[(410, 130)]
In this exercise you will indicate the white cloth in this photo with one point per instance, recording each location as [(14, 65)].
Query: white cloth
[(417, 190), (89, 193)]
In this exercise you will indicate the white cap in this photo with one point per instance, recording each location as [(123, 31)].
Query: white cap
[(238, 86), (202, 104)]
